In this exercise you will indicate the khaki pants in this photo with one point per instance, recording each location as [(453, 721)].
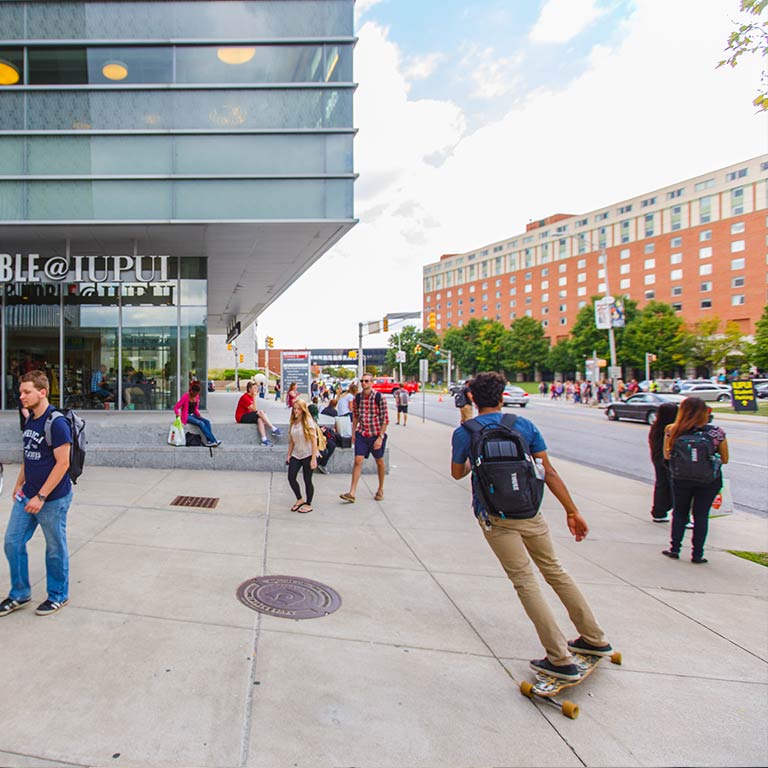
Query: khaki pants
[(512, 541)]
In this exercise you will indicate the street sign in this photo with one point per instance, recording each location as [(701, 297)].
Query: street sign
[(400, 356), (296, 366), (614, 371), (743, 396), (423, 370)]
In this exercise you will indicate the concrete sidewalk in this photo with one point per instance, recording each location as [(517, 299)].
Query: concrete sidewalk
[(155, 662)]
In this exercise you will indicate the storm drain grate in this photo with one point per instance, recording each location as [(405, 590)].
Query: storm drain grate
[(205, 502), (288, 597)]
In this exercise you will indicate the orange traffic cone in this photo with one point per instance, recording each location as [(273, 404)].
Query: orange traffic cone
[(439, 398)]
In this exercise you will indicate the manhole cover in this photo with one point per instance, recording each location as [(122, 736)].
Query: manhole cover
[(205, 502), (288, 597)]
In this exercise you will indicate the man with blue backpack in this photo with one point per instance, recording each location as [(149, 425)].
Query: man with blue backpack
[(42, 496), (507, 457)]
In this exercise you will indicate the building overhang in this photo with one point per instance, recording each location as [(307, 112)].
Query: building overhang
[(249, 263)]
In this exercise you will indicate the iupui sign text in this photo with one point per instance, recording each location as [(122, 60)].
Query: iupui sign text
[(31, 268)]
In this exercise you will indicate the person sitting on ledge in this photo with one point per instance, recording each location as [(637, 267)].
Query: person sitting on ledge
[(247, 413)]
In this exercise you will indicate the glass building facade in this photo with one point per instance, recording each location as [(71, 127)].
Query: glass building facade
[(166, 170)]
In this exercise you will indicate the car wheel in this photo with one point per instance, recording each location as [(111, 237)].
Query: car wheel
[(722, 398), (522, 405), (611, 414), (651, 417)]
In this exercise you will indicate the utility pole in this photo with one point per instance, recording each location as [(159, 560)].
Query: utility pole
[(611, 336)]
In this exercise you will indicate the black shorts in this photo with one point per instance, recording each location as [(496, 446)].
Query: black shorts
[(402, 409)]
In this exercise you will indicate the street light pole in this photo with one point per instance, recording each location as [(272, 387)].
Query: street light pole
[(611, 335)]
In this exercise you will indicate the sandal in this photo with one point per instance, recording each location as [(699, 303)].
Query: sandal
[(379, 495), (295, 507), (347, 497), (304, 508)]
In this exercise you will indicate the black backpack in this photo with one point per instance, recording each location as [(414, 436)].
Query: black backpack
[(694, 458), (79, 439), (359, 399), (504, 473), (193, 440)]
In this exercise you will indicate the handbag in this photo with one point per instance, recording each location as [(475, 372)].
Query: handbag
[(723, 503), (176, 433)]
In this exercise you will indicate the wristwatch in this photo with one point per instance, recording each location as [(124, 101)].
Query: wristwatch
[(41, 497)]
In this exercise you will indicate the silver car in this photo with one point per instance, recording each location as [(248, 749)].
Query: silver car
[(707, 391), (515, 396)]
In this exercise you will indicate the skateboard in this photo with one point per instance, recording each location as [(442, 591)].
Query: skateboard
[(547, 687)]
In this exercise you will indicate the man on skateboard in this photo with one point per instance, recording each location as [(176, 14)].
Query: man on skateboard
[(513, 539)]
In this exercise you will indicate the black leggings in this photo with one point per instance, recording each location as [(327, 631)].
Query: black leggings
[(293, 472), (687, 494)]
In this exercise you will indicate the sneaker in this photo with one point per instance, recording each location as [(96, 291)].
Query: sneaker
[(670, 553), (699, 560), (10, 605), (560, 671), (266, 442), (664, 519), (689, 525), (276, 432), (219, 442), (210, 444), (49, 607), (321, 469), (580, 645)]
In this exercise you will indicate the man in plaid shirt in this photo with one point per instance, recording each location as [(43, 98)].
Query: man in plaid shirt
[(369, 424)]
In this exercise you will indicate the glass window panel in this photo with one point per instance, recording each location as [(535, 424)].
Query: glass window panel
[(12, 113), (220, 109), (11, 201), (264, 64), (125, 20), (11, 65), (11, 155)]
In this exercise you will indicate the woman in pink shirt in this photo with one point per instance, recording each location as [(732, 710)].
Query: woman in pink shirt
[(188, 408)]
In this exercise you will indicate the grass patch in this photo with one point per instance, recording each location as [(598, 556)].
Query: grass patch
[(756, 557)]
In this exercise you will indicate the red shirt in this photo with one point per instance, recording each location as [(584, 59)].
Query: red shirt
[(244, 405), (370, 417)]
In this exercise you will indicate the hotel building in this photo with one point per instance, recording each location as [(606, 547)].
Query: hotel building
[(167, 169), (700, 245)]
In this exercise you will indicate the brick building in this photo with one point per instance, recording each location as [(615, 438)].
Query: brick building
[(700, 244)]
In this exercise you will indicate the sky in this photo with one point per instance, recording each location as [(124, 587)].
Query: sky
[(476, 117)]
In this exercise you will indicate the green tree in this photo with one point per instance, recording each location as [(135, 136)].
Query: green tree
[(463, 343), (759, 350), (561, 358), (493, 348), (529, 347), (658, 329), (410, 336), (710, 348), (586, 336), (751, 37)]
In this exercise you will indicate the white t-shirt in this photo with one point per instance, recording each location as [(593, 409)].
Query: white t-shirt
[(343, 406)]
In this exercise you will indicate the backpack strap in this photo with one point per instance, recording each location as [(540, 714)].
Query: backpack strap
[(49, 425), (473, 426), (508, 420)]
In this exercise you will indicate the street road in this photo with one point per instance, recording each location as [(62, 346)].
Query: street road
[(584, 435)]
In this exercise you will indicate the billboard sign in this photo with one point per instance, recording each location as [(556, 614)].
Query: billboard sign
[(295, 366)]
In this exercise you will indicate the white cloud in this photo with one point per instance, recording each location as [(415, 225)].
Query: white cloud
[(493, 75), (422, 67), (562, 20), (651, 112)]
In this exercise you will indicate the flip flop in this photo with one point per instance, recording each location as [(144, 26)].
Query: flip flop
[(304, 508), (295, 507), (347, 497), (379, 496)]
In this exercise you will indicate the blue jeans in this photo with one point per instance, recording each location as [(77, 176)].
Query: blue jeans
[(204, 425), (52, 518)]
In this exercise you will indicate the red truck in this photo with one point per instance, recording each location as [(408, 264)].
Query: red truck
[(385, 385)]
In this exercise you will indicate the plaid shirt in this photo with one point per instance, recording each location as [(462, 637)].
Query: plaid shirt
[(370, 417)]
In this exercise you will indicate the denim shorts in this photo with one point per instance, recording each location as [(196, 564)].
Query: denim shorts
[(364, 446)]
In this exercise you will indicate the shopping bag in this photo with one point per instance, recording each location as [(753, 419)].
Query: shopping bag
[(723, 503), (176, 434)]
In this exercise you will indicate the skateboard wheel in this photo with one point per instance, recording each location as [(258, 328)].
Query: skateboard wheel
[(526, 689), (570, 709), (616, 657)]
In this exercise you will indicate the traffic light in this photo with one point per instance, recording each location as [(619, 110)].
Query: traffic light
[(417, 349), (437, 348), (352, 354), (270, 342), (242, 357), (385, 323), (432, 320)]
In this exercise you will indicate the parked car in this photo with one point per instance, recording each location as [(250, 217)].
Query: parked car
[(707, 391), (385, 385), (761, 390), (641, 407), (515, 396)]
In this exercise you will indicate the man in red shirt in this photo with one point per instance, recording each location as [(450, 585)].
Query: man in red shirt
[(247, 413), (369, 426)]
